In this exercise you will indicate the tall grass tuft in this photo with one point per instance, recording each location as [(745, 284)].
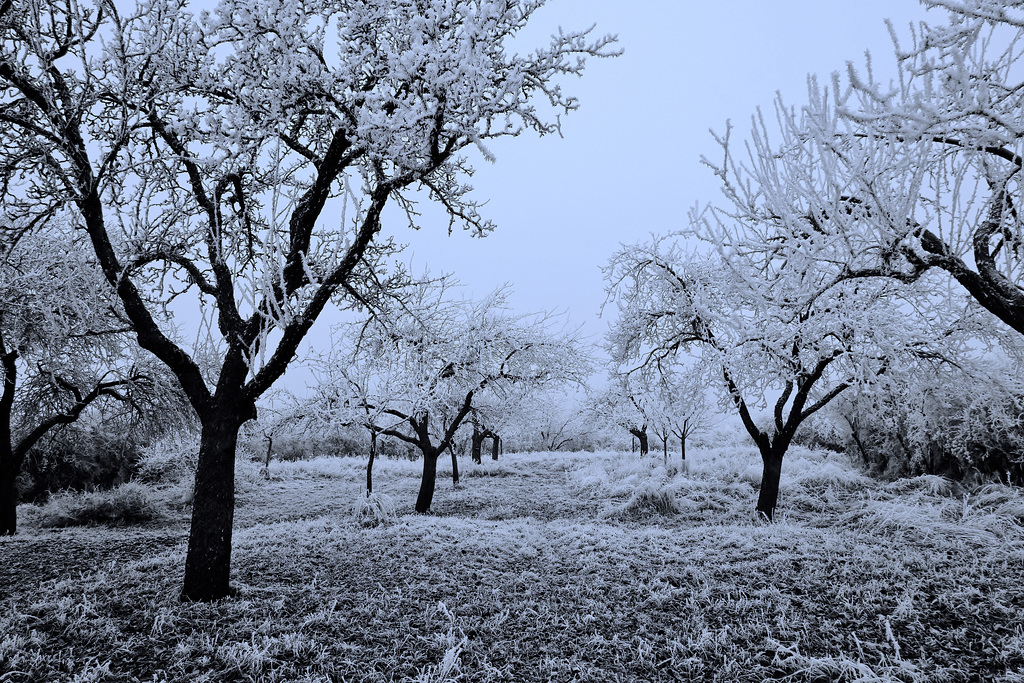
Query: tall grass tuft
[(125, 505), (374, 509), (650, 500)]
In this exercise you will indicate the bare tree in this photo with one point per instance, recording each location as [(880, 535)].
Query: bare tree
[(683, 407), (201, 155)]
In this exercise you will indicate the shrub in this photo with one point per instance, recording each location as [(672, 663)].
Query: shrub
[(171, 458), (79, 457), (960, 436), (127, 504)]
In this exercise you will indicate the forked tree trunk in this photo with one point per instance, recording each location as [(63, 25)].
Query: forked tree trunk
[(8, 499), (771, 475), (427, 482), (208, 562), (495, 446)]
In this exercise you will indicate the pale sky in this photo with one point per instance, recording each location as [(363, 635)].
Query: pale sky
[(629, 163)]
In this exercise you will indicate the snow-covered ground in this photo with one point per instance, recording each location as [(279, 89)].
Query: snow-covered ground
[(558, 567)]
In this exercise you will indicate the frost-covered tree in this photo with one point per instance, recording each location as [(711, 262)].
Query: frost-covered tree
[(241, 159), (624, 402), (778, 332), (558, 422), (430, 361), (681, 405), (898, 178), (915, 180), (549, 420), (489, 419), (64, 351)]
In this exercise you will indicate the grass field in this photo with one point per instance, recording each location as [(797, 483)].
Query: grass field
[(543, 567)]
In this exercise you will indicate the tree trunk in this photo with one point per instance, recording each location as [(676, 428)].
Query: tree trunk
[(495, 446), (369, 464), (768, 497), (641, 435), (477, 445), (427, 483), (266, 459), (208, 562), (864, 457), (9, 465), (8, 500), (455, 467), (664, 448)]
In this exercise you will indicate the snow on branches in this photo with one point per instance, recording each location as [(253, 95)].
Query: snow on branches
[(65, 349), (846, 222), (894, 179), (204, 150)]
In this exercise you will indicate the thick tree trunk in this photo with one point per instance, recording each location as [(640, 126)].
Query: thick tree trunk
[(641, 436), (427, 483), (664, 449), (8, 500), (477, 445), (771, 475), (495, 446), (208, 562)]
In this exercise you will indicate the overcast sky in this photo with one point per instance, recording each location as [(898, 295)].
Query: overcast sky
[(629, 162)]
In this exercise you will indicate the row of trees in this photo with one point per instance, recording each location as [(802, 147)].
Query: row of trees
[(423, 369), (671, 401), (831, 265)]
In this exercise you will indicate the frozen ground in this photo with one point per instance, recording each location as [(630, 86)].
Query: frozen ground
[(542, 567)]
